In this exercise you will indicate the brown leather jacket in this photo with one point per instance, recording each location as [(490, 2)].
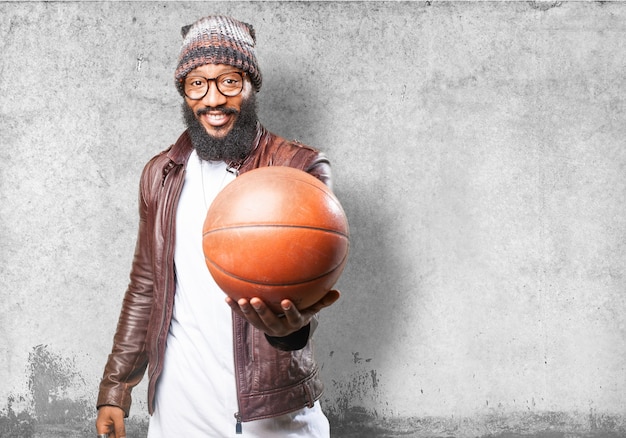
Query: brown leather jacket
[(274, 375)]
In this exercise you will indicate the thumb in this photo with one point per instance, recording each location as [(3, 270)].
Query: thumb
[(331, 297)]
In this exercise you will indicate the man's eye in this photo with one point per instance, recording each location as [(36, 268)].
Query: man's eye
[(195, 83)]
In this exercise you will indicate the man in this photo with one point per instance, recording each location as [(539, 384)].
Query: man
[(211, 365)]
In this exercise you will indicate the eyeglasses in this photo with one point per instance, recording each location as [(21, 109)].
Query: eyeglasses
[(230, 84)]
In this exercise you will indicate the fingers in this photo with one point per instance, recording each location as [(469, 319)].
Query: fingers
[(331, 298), (257, 313), (295, 319), (233, 305), (120, 429), (267, 320), (110, 421)]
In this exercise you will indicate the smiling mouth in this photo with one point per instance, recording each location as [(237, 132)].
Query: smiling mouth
[(216, 117)]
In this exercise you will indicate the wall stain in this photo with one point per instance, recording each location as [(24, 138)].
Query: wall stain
[(357, 359), (544, 5), (52, 379), (359, 423), (52, 410), (353, 393), (16, 425), (358, 410), (55, 405), (51, 403)]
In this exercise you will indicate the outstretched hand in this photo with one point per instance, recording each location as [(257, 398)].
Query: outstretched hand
[(257, 313)]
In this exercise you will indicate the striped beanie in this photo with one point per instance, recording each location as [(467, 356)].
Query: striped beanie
[(218, 40)]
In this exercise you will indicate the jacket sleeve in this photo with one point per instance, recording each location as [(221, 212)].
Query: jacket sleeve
[(319, 167), (128, 360), (313, 162)]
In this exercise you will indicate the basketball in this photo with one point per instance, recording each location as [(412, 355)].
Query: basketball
[(276, 233)]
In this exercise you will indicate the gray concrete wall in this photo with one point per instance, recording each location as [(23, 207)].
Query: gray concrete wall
[(478, 150)]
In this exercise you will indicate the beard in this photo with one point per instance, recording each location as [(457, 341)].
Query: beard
[(236, 144)]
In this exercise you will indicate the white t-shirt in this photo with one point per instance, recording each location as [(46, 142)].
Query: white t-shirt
[(196, 394)]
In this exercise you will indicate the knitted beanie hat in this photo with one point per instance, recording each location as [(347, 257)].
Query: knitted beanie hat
[(218, 40)]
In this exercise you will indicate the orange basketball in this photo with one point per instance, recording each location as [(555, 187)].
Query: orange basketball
[(276, 233)]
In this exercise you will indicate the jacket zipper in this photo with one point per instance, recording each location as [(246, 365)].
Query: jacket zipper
[(238, 353), (238, 428), (167, 273)]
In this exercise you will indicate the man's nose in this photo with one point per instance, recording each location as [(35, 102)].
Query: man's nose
[(213, 98)]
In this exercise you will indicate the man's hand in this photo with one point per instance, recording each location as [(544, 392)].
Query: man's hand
[(111, 421), (256, 312)]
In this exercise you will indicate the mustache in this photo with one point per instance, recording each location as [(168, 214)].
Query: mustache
[(222, 109)]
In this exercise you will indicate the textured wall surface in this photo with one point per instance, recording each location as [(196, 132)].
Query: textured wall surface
[(478, 150)]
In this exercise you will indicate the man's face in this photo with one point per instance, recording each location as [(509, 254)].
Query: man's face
[(215, 112)]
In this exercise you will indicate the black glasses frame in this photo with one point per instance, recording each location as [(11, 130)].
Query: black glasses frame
[(217, 84)]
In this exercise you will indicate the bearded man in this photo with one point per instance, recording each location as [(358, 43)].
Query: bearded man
[(211, 365)]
